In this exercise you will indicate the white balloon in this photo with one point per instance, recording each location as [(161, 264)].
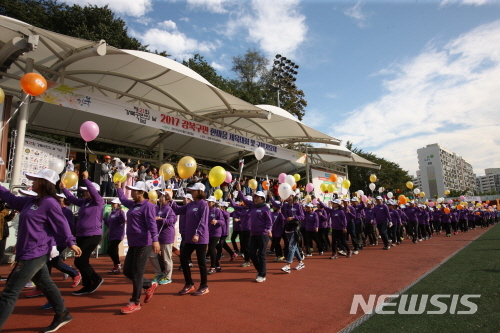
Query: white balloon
[(57, 165), (390, 195), (297, 190), (372, 186), (285, 190), (259, 153), (290, 180), (416, 191), (439, 200), (380, 189), (361, 193)]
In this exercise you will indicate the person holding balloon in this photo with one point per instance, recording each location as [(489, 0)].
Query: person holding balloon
[(324, 225), (116, 231), (382, 216), (277, 231), (446, 220), (370, 224), (224, 233), (88, 231), (41, 225), (243, 213), (197, 238), (412, 212), (216, 224)]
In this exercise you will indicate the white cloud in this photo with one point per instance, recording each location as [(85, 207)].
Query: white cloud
[(214, 6), (185, 19), (446, 95), (466, 2), (218, 67), (315, 118), (276, 26), (168, 25), (174, 42), (132, 8), (356, 13)]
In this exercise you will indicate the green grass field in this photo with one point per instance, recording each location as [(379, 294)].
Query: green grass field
[(474, 270)]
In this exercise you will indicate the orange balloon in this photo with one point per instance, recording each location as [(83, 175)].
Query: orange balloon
[(294, 186), (333, 178), (487, 201), (447, 210), (478, 213), (402, 200), (460, 207), (265, 185), (33, 84)]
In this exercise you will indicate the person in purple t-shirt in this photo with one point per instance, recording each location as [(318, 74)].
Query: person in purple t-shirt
[(116, 230), (215, 225), (41, 224), (197, 238), (225, 232), (142, 236)]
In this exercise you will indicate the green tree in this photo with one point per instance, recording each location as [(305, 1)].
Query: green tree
[(198, 64), (390, 176), (90, 22)]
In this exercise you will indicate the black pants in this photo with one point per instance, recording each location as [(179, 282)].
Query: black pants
[(324, 239), (454, 226), (358, 230), (244, 242), (87, 244), (446, 227), (257, 248), (352, 233), (302, 241), (391, 232), (3, 243), (371, 233), (113, 251), (310, 237), (212, 250), (234, 235), (286, 244), (412, 230), (222, 245), (276, 244), (422, 231), (133, 268), (106, 190), (382, 230), (338, 236), (201, 251), (437, 226)]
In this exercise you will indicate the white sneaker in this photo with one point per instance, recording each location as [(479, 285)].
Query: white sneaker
[(260, 279), (286, 268), (300, 266), (356, 252)]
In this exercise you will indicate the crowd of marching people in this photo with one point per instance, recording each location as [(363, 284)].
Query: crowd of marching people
[(294, 227)]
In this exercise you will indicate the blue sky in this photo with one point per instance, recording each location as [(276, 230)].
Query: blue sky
[(391, 76)]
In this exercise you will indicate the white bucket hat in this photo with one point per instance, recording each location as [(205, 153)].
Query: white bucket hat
[(47, 174), (211, 199), (28, 193), (197, 187), (188, 196), (139, 186), (116, 201), (260, 194)]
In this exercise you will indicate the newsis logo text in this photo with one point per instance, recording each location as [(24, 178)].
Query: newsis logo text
[(415, 304)]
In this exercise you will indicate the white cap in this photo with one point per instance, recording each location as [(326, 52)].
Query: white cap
[(260, 194), (379, 198), (188, 196), (402, 206), (224, 204), (28, 193), (197, 187), (47, 174), (139, 186), (337, 201), (412, 201), (211, 199), (249, 198), (355, 199), (116, 201), (97, 187), (346, 200), (61, 195), (310, 205)]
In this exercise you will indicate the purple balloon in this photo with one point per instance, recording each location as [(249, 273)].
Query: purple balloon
[(229, 177), (309, 187), (281, 177), (89, 131)]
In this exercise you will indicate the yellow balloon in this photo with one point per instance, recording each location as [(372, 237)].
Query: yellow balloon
[(167, 171), (70, 178), (153, 196), (217, 176), (2, 95), (117, 177), (308, 198), (323, 187), (252, 183), (218, 194), (186, 167), (446, 192), (330, 188), (478, 205), (373, 178), (409, 185), (297, 177), (346, 183), (422, 194)]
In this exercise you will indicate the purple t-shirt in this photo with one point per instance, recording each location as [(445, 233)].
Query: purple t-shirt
[(90, 213), (311, 221), (40, 226), (225, 227), (116, 224), (166, 225), (215, 230), (196, 220)]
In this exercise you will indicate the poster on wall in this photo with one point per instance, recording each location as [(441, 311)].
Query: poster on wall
[(37, 155), (323, 177)]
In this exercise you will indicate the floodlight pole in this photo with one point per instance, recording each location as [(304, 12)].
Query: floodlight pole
[(22, 121)]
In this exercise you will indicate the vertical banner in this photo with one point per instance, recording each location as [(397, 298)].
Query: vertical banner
[(36, 156), (322, 177)]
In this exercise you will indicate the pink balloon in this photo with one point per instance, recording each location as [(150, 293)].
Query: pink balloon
[(462, 198), (315, 201), (450, 201), (281, 177), (364, 198), (309, 187), (229, 177), (89, 131), (431, 204)]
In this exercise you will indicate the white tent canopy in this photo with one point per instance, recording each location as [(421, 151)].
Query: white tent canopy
[(148, 81)]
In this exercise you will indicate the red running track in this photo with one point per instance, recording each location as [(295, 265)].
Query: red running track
[(315, 299)]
